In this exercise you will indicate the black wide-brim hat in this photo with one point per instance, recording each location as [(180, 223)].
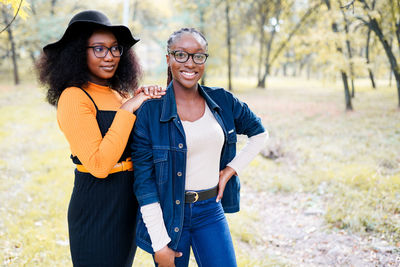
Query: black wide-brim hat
[(95, 19)]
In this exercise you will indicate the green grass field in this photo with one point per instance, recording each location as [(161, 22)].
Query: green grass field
[(351, 159)]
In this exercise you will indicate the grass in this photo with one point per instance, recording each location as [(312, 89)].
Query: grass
[(351, 159)]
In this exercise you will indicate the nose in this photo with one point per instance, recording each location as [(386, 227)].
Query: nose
[(109, 56), (190, 61)]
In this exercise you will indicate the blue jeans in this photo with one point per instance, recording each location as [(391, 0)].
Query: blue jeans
[(205, 228)]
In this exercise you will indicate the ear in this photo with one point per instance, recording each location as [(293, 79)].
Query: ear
[(168, 58)]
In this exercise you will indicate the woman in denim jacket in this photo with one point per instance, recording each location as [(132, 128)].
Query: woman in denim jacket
[(184, 153)]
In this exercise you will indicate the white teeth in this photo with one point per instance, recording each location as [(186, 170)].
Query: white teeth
[(188, 73), (108, 68)]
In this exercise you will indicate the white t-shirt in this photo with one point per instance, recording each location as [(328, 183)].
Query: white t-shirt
[(204, 141)]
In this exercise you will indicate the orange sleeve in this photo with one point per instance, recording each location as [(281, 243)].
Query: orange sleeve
[(76, 116)]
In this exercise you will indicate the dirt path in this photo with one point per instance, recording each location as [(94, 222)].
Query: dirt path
[(292, 228)]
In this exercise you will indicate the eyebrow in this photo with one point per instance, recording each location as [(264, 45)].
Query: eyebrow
[(102, 43), (197, 51)]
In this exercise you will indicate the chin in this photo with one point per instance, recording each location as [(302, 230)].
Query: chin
[(188, 84), (108, 76)]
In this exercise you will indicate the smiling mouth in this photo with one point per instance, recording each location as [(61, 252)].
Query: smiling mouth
[(108, 68), (188, 74)]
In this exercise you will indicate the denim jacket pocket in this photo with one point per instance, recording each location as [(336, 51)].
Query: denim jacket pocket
[(160, 157)]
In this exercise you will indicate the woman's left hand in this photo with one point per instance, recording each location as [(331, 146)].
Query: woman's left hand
[(154, 91), (224, 177)]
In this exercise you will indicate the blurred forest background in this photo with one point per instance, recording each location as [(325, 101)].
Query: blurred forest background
[(323, 75)]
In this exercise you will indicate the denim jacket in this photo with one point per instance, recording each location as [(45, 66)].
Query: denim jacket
[(159, 155)]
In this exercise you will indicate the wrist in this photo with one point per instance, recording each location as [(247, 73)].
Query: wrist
[(231, 171)]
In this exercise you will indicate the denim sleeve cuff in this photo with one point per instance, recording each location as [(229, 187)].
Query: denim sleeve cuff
[(147, 199)]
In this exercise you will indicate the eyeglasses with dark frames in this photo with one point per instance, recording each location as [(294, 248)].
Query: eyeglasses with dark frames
[(182, 56), (101, 51)]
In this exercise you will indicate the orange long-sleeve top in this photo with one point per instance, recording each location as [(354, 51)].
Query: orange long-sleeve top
[(76, 116)]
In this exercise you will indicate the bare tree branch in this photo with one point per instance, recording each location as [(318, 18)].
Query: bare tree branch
[(348, 5), (16, 14)]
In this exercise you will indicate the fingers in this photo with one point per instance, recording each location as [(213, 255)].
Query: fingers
[(221, 189), (139, 90), (146, 90), (144, 97), (154, 91), (178, 254)]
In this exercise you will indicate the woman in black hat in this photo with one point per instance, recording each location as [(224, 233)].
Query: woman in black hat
[(90, 73)]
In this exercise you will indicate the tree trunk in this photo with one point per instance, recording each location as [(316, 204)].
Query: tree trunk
[(346, 91), (373, 24), (394, 18), (53, 5), (261, 82), (284, 69), (228, 40), (262, 40), (13, 48), (349, 52), (371, 74), (342, 72), (202, 29)]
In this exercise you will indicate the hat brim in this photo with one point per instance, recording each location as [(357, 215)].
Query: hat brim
[(121, 32)]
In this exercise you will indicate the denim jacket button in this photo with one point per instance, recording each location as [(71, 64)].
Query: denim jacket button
[(176, 229), (177, 202), (179, 174), (180, 145)]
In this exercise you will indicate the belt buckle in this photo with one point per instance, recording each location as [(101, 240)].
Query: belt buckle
[(196, 195)]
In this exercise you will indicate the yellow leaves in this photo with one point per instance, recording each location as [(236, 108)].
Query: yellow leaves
[(19, 6)]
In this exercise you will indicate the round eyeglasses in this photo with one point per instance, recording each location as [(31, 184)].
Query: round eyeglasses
[(101, 51), (182, 56)]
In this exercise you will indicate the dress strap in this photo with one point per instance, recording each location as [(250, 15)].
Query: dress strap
[(90, 98)]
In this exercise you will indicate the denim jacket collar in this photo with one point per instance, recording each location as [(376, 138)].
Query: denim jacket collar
[(169, 110)]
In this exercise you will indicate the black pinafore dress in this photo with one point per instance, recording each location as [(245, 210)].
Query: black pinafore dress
[(102, 213)]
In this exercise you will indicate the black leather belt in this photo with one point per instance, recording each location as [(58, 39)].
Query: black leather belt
[(193, 196)]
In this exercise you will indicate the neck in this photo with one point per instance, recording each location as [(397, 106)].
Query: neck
[(102, 82), (185, 94)]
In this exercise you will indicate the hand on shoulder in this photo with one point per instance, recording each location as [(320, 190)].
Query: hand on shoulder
[(142, 94)]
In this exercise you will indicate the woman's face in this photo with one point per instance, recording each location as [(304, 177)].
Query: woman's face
[(186, 74), (101, 69)]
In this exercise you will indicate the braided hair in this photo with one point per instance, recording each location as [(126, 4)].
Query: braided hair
[(175, 36)]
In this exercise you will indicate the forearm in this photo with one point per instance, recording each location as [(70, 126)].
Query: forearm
[(248, 152), (153, 219)]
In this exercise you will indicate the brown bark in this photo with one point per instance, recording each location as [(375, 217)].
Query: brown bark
[(228, 41), (343, 74), (13, 46)]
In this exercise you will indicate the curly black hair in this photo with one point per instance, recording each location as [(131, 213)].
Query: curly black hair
[(67, 66)]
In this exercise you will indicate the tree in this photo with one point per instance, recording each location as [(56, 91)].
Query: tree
[(370, 73), (370, 19), (349, 49), (18, 8), (343, 73), (228, 43), (281, 8), (7, 21)]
